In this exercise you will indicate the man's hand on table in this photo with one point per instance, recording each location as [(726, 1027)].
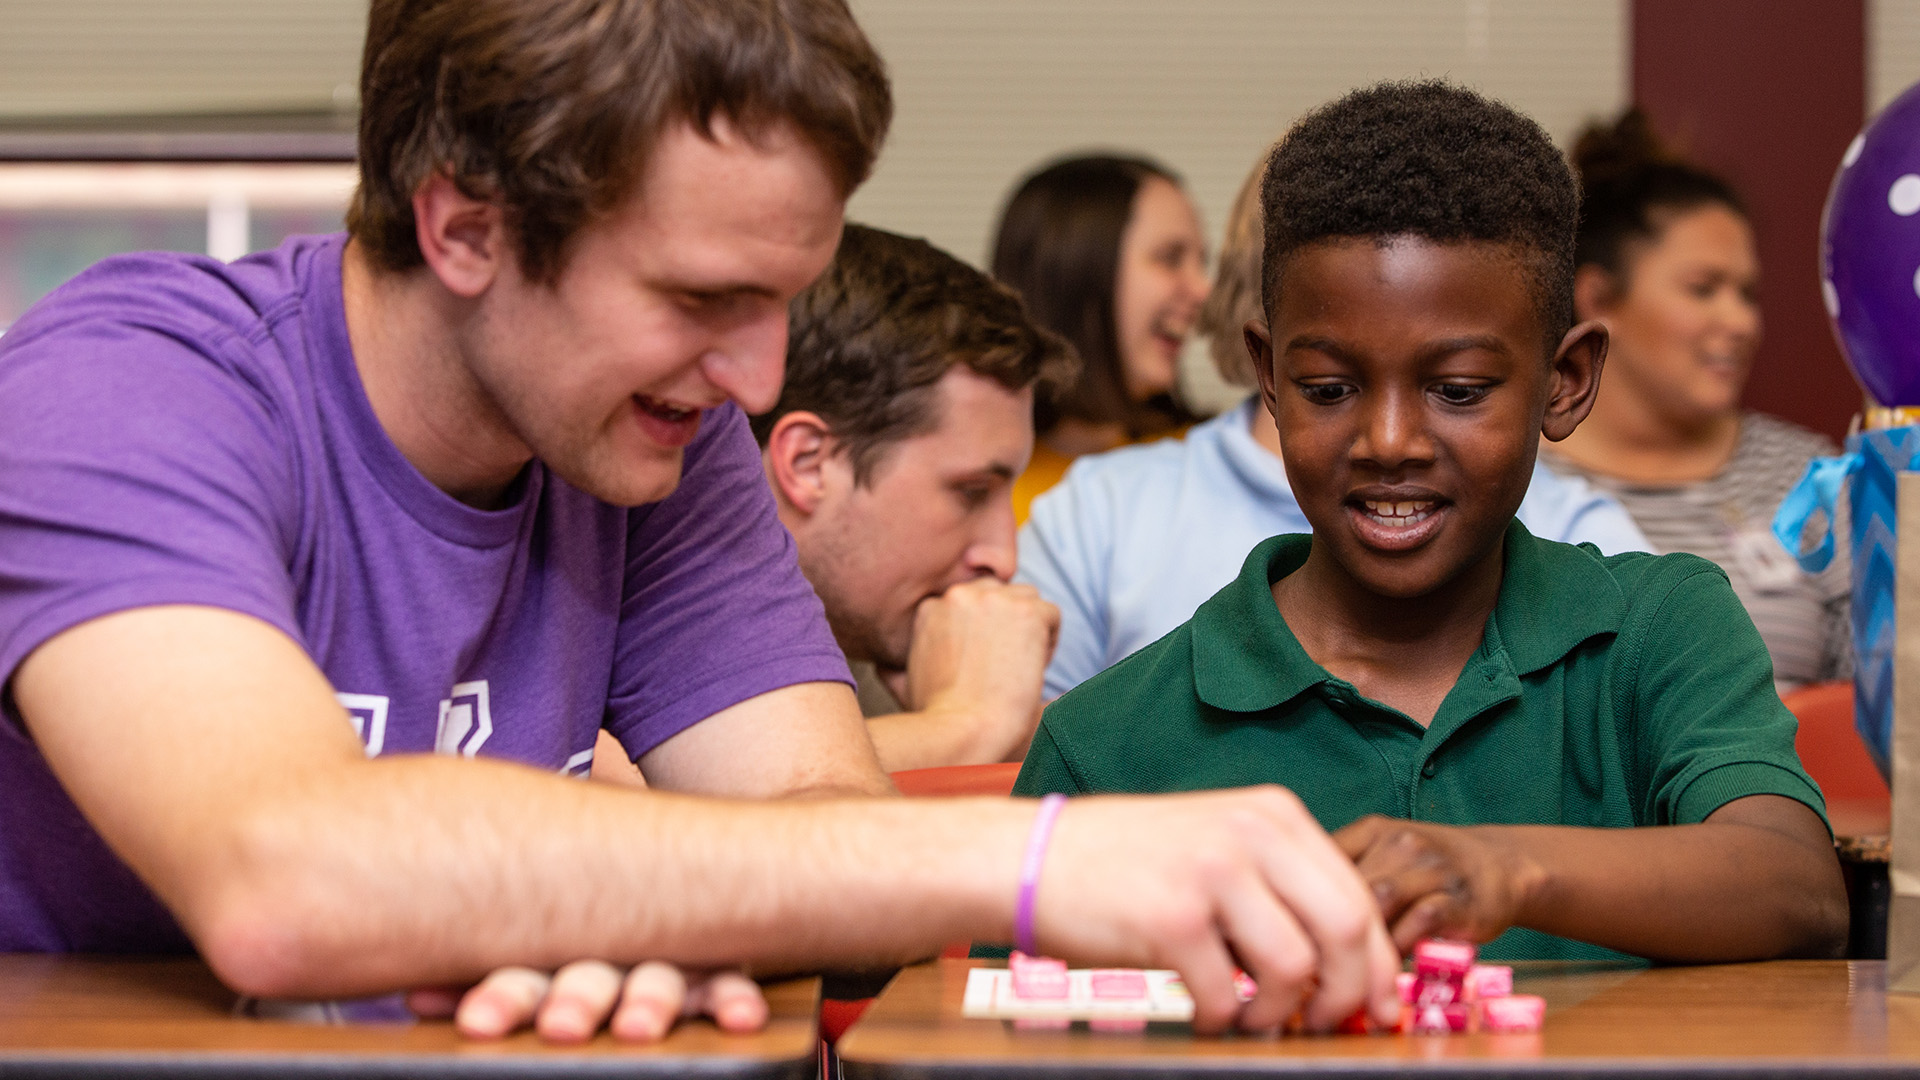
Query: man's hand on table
[(571, 1005)]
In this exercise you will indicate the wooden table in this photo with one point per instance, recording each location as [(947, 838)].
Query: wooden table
[(72, 1016), (1795, 1019)]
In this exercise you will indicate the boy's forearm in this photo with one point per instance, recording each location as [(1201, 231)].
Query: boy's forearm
[(1750, 883)]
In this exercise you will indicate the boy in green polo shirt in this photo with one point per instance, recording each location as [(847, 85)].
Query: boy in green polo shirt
[(1519, 742)]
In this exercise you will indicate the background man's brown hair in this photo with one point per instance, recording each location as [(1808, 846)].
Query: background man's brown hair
[(550, 106), (892, 315)]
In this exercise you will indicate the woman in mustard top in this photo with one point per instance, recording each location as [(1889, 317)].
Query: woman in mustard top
[(1107, 252)]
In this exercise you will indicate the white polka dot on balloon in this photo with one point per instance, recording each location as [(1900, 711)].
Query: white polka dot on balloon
[(1831, 296), (1853, 151), (1904, 196), (1916, 282)]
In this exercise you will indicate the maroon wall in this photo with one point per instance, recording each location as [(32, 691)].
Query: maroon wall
[(1768, 93)]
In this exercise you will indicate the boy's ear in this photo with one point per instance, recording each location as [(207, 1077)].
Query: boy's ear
[(1594, 291), (1575, 379), (796, 456), (1260, 350), (462, 239)]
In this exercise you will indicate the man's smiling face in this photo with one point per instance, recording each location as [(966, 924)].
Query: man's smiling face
[(1408, 382), (669, 305)]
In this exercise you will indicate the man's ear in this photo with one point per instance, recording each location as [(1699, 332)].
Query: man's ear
[(1595, 291), (463, 239), (798, 450), (1575, 379)]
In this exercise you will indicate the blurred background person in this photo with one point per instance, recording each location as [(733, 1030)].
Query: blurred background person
[(1108, 252), (1667, 260), (905, 416), (1131, 542)]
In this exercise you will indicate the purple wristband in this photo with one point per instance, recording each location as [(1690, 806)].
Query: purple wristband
[(1030, 872)]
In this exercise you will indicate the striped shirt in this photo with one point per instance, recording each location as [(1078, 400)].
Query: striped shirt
[(1802, 617)]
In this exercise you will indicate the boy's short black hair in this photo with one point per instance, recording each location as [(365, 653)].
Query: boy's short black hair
[(867, 341), (1425, 159)]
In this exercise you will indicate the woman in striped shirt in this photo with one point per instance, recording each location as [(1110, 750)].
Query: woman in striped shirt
[(1666, 258)]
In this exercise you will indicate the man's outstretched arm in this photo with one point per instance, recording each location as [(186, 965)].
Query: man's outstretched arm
[(209, 752)]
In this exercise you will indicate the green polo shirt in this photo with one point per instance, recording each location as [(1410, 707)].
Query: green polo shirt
[(1609, 691)]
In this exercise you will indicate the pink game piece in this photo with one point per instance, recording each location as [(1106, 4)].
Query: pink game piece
[(1042, 1023), (1488, 981), (1021, 961), (1432, 990), (1117, 1025), (1442, 1019), (1037, 978), (1436, 958), (1119, 984), (1404, 984), (1516, 1012)]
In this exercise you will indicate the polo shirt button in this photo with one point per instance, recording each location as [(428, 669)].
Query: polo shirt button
[(1428, 770)]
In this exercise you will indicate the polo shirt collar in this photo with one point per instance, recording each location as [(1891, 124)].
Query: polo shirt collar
[(1246, 659), (1553, 597)]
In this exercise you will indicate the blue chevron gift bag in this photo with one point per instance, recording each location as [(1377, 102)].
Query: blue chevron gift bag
[(1868, 471)]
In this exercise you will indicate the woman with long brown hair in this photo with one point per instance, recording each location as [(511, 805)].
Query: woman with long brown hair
[(1107, 252)]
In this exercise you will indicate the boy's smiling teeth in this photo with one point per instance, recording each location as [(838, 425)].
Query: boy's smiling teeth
[(1398, 513)]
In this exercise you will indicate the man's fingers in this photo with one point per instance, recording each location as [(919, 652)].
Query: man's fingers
[(1383, 959), (1208, 972), (1274, 950), (501, 1003), (433, 1002), (731, 999), (649, 1002), (581, 997), (1325, 892)]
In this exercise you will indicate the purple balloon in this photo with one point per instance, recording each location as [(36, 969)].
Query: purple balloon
[(1870, 253)]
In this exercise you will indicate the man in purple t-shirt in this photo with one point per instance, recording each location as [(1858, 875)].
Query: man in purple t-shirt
[(319, 570)]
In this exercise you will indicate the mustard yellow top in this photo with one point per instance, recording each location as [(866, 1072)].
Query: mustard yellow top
[(1043, 471), (1049, 465)]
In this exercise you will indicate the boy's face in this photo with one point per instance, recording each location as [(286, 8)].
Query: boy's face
[(1410, 390)]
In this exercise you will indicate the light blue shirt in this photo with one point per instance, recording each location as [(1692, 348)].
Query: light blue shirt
[(1131, 542)]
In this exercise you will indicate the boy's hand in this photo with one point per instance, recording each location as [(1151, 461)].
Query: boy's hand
[(1440, 880), (570, 1005)]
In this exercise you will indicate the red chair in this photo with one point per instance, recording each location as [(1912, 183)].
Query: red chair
[(837, 1016), (996, 779), (1831, 750)]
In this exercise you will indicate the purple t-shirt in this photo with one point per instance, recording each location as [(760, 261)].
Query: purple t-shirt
[(174, 430)]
